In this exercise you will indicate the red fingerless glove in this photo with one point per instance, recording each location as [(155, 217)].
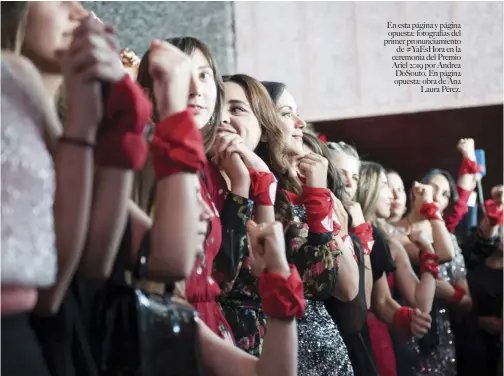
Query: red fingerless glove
[(402, 320), (365, 233), (429, 262), (263, 187), (120, 141), (318, 204), (177, 146), (457, 295), (282, 298), (430, 211), (468, 166), (494, 213)]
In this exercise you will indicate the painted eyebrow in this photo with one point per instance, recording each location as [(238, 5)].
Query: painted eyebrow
[(289, 107), (236, 101)]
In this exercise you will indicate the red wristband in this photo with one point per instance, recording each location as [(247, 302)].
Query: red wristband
[(429, 262), (365, 233), (282, 298), (457, 295), (468, 166), (128, 105), (402, 319), (177, 146), (263, 187), (318, 204), (430, 211), (494, 213), (120, 141)]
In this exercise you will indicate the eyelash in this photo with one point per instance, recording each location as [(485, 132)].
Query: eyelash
[(287, 114), (234, 108)]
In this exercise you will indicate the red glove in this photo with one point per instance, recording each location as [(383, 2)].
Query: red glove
[(468, 166), (177, 146), (263, 187), (318, 204), (282, 298), (365, 233), (494, 213), (430, 211), (120, 140)]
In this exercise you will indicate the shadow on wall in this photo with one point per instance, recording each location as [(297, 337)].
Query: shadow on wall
[(413, 143)]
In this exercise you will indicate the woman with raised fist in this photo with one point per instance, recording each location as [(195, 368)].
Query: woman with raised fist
[(438, 220)]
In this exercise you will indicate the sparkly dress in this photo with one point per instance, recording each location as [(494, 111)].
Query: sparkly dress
[(321, 350), (441, 359)]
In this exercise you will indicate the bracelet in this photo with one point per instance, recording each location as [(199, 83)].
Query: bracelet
[(402, 319), (429, 263), (77, 142), (282, 298), (457, 295), (430, 211), (468, 166)]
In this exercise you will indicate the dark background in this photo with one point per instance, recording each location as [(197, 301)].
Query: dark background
[(414, 143)]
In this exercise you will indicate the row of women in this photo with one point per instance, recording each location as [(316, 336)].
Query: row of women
[(298, 257)]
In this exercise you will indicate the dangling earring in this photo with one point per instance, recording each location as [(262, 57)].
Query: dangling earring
[(211, 120)]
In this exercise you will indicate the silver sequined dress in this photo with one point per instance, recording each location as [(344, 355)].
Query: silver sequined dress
[(28, 186), (442, 360), (321, 350)]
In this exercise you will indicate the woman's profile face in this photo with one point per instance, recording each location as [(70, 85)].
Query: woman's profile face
[(441, 191), (49, 28), (293, 125), (396, 185)]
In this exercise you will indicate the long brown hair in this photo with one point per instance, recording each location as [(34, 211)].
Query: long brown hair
[(14, 18), (273, 149), (144, 187)]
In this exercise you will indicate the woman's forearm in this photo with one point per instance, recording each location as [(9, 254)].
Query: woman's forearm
[(112, 188), (443, 244), (74, 166), (347, 286)]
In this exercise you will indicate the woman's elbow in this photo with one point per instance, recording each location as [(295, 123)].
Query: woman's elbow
[(445, 257)]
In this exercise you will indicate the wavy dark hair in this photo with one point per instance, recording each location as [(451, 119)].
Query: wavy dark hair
[(273, 149), (144, 188)]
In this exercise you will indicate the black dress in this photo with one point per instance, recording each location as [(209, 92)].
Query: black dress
[(350, 317)]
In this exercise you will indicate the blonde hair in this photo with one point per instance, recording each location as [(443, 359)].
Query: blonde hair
[(368, 193), (343, 148), (14, 18), (368, 190)]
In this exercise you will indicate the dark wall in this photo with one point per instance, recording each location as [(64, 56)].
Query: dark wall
[(414, 143)]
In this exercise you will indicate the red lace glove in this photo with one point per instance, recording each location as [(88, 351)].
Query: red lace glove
[(494, 213), (468, 166), (282, 298), (120, 141), (365, 233), (263, 187), (402, 320), (430, 211), (429, 262), (177, 146), (457, 295), (319, 206)]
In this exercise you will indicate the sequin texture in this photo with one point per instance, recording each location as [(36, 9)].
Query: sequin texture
[(28, 186), (442, 361), (321, 350)]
